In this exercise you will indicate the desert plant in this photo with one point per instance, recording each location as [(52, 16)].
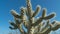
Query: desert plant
[(32, 24)]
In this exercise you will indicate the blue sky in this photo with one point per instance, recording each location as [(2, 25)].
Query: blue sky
[(7, 5)]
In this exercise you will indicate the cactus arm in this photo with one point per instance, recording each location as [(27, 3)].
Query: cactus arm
[(37, 11), (13, 24), (29, 8), (13, 12), (49, 17), (44, 12), (55, 26), (12, 28)]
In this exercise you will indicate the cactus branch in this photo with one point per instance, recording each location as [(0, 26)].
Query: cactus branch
[(13, 12), (44, 12), (37, 11)]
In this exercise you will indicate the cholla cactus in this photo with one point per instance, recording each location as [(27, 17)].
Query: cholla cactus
[(32, 24)]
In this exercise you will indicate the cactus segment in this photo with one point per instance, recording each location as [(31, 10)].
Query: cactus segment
[(49, 17), (37, 11), (44, 12), (13, 12)]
